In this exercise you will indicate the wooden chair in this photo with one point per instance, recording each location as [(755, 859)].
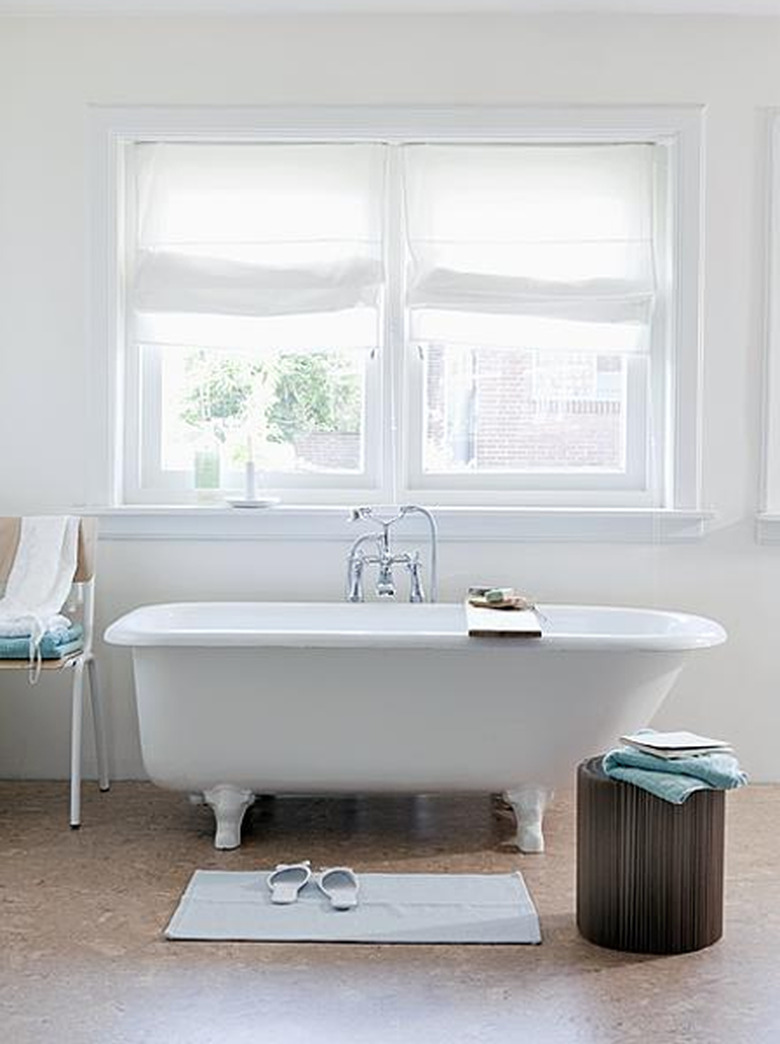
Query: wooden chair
[(84, 589)]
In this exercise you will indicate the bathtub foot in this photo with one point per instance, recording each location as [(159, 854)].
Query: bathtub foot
[(229, 804), (528, 803)]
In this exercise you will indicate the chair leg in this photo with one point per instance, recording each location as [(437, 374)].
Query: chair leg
[(99, 724), (77, 713)]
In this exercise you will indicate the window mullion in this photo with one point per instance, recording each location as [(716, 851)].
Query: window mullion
[(394, 326)]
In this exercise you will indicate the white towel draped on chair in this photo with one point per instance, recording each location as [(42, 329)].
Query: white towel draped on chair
[(41, 577)]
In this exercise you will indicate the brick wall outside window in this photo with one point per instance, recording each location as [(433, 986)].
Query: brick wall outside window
[(509, 426)]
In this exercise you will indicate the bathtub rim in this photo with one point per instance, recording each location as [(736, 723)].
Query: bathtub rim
[(139, 629)]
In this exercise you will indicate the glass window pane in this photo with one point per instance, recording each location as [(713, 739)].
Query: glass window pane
[(492, 410), (302, 411)]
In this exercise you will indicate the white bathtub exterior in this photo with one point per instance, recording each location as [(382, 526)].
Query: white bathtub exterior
[(338, 698)]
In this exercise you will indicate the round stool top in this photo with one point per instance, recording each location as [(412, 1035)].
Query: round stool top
[(594, 768)]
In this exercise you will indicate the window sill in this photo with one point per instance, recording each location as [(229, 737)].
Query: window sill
[(510, 524)]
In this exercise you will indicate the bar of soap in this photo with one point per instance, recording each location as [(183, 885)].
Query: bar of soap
[(500, 594)]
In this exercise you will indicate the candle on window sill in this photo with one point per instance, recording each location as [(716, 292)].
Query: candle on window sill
[(250, 492)]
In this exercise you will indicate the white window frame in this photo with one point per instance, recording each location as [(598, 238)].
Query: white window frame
[(768, 519), (678, 129)]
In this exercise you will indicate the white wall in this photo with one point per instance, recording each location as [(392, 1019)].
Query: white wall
[(51, 70)]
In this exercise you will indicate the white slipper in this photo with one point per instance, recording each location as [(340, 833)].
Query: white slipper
[(340, 885), (287, 880)]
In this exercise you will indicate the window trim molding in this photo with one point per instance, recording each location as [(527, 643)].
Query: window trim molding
[(679, 127), (768, 515)]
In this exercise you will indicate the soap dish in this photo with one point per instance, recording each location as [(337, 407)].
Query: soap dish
[(263, 502)]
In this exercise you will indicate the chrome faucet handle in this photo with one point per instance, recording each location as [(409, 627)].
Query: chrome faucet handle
[(355, 580), (416, 591), (356, 561)]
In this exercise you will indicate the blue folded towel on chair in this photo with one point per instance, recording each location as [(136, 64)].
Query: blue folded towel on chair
[(54, 645), (674, 780)]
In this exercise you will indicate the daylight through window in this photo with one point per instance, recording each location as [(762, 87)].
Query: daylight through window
[(464, 319)]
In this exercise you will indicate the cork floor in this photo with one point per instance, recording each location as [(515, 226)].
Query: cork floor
[(82, 958)]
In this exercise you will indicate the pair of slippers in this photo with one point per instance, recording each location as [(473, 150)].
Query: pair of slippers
[(338, 883)]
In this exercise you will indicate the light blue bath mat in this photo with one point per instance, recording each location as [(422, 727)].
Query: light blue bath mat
[(392, 908)]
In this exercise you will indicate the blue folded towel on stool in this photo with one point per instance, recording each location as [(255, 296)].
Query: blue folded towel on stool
[(674, 780), (55, 645)]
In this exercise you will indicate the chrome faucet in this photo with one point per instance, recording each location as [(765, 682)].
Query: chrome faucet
[(385, 559)]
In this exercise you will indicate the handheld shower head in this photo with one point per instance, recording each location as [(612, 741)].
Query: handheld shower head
[(358, 513)]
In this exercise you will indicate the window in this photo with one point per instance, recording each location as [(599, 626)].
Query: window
[(433, 315), (528, 263), (256, 289)]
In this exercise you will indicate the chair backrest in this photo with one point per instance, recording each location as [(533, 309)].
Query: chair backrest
[(10, 529)]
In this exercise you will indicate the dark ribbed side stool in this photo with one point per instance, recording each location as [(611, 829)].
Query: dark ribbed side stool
[(649, 873)]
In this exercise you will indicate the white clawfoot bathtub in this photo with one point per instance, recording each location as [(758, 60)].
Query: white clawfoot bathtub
[(244, 698)]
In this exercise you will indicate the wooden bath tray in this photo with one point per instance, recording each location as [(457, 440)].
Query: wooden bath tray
[(502, 623)]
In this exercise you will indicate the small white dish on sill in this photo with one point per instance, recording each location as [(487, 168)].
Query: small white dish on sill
[(261, 502)]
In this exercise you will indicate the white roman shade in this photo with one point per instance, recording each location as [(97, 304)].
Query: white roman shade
[(258, 245), (530, 246)]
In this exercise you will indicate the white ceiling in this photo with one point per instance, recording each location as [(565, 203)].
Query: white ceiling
[(214, 7)]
